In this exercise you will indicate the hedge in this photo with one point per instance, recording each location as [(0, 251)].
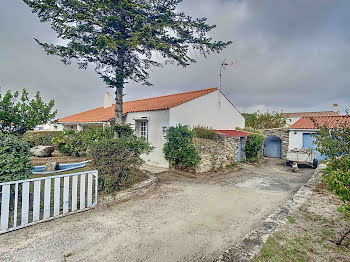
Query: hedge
[(40, 138)]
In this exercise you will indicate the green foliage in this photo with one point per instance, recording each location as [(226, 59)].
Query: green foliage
[(14, 159), (18, 113), (333, 142), (43, 138), (291, 219), (337, 178), (117, 160), (124, 38), (179, 149), (204, 132), (253, 146), (265, 120), (72, 143), (123, 130), (250, 129)]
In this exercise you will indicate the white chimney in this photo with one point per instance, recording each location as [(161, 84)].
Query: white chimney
[(335, 108), (107, 100)]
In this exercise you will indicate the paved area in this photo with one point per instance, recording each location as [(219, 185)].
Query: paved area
[(186, 218)]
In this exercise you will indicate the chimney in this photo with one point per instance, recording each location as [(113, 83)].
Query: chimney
[(335, 108), (107, 100)]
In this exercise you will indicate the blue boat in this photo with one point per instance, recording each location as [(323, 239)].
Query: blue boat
[(40, 170)]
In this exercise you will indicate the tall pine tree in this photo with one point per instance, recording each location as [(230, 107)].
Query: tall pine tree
[(121, 37)]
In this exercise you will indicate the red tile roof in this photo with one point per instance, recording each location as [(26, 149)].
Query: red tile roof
[(233, 133), (329, 121), (311, 114), (102, 114)]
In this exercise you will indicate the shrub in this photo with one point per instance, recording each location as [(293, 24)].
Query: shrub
[(250, 129), (124, 130), (205, 133), (72, 143), (41, 138), (253, 146), (14, 159), (337, 178), (179, 149), (117, 160)]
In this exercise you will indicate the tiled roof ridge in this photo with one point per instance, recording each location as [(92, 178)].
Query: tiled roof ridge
[(184, 93)]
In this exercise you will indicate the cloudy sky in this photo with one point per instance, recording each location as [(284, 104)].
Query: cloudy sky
[(289, 55)]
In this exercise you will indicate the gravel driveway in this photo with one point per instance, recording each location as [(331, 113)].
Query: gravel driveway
[(186, 218)]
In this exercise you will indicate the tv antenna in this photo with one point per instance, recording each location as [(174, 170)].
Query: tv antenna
[(223, 65)]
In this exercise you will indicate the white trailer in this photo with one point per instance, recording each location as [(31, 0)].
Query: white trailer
[(302, 156)]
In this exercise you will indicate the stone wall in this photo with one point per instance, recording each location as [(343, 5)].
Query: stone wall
[(217, 155), (281, 133)]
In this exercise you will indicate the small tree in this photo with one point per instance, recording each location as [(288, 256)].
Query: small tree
[(265, 120), (253, 146), (19, 114), (179, 149), (335, 143), (14, 159), (121, 37)]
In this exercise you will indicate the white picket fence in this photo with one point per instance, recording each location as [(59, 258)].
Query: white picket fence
[(27, 202)]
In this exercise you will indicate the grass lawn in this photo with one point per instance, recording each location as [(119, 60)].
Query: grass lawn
[(310, 233)]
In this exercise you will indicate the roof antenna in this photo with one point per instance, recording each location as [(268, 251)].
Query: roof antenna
[(222, 67)]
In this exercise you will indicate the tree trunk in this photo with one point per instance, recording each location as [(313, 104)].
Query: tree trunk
[(118, 105), (119, 92)]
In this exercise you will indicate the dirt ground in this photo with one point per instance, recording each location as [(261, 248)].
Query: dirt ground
[(311, 233), (187, 217)]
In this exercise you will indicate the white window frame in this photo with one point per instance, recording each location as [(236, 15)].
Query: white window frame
[(144, 129)]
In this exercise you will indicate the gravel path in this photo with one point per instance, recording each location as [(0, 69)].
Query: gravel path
[(186, 218)]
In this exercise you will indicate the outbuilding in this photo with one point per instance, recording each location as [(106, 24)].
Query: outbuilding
[(302, 132)]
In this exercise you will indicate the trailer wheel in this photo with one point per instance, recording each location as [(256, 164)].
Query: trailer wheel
[(315, 163)]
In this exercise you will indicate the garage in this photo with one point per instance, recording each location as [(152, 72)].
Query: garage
[(273, 147)]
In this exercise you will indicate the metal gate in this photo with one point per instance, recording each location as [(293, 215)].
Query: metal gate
[(27, 202), (273, 147)]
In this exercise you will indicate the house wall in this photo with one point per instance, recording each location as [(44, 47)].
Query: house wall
[(212, 110), (291, 120), (296, 138), (156, 121)]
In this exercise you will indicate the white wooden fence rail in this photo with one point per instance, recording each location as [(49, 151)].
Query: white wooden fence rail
[(27, 202)]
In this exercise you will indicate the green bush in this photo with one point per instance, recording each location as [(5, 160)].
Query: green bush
[(117, 160), (14, 159), (205, 133), (250, 129), (179, 149), (253, 146), (337, 178), (72, 143), (40, 138)]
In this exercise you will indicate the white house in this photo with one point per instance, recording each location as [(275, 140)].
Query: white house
[(49, 127), (301, 132), (292, 118), (152, 116)]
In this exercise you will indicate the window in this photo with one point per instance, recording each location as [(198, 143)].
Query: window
[(144, 131)]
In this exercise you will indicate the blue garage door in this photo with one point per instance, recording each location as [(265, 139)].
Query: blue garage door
[(273, 147), (308, 143)]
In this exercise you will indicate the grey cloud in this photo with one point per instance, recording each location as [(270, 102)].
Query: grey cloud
[(290, 55)]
